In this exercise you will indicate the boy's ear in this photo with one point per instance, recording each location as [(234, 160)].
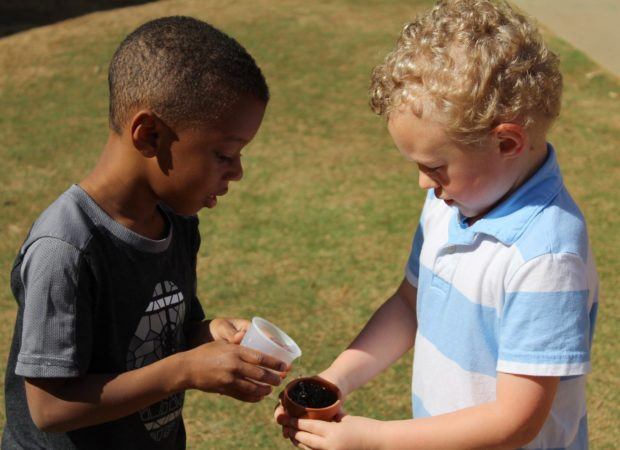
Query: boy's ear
[(146, 133), (512, 139)]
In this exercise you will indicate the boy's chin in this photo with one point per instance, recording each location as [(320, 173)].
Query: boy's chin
[(210, 202), (465, 212), (472, 215)]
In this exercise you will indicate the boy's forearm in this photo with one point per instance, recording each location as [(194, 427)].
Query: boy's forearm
[(480, 427), (99, 398), (220, 367), (516, 416), (388, 334)]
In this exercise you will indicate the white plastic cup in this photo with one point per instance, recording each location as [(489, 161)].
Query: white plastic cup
[(269, 339)]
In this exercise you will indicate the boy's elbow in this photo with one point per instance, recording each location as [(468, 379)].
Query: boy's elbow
[(516, 435), (522, 436), (45, 421), (46, 412), (523, 406)]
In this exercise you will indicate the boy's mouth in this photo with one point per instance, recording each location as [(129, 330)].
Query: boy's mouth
[(212, 199)]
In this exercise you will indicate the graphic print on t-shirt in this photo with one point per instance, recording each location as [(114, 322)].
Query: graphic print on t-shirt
[(159, 335)]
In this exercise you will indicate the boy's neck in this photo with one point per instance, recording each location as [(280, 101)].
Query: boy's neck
[(118, 186), (535, 158)]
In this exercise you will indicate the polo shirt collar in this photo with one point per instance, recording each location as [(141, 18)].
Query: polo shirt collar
[(508, 220)]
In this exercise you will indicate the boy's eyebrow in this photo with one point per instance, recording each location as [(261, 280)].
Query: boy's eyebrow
[(429, 163), (235, 139)]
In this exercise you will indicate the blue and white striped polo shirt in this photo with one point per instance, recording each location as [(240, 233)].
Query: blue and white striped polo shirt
[(517, 292)]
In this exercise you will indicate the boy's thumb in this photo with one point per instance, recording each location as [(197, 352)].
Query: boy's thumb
[(238, 337)]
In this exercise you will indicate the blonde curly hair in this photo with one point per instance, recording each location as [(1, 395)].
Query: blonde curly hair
[(476, 63)]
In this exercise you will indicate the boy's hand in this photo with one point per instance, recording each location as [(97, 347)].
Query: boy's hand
[(347, 433), (232, 370), (282, 418), (228, 329)]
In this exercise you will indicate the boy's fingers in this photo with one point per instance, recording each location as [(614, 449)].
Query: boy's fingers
[(246, 391), (290, 432), (287, 432), (257, 373), (260, 359), (283, 420), (223, 329), (316, 427), (238, 337), (241, 324), (297, 444), (281, 417), (249, 388), (307, 439), (279, 413)]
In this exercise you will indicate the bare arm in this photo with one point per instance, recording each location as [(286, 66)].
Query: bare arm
[(515, 418), (65, 404), (389, 334), (62, 405)]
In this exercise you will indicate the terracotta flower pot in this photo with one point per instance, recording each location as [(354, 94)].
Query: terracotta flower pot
[(294, 404)]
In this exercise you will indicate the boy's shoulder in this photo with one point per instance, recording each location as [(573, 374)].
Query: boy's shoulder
[(545, 218), (65, 219), (558, 228), (74, 218)]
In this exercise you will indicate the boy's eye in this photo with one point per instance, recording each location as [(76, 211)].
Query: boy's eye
[(223, 158), (430, 169)]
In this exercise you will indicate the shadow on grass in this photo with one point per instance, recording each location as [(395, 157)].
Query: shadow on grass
[(21, 15)]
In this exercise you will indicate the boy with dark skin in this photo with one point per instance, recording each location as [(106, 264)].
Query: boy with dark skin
[(184, 101)]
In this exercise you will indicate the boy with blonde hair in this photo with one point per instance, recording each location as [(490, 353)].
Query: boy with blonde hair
[(110, 332), (500, 290)]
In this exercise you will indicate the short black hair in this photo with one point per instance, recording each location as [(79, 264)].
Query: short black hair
[(182, 68)]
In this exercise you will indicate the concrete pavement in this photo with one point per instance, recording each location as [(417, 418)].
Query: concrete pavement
[(592, 26)]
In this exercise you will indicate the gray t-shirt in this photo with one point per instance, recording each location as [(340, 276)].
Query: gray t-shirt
[(95, 297)]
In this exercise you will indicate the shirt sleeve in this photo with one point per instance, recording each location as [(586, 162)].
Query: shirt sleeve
[(546, 318), (53, 285)]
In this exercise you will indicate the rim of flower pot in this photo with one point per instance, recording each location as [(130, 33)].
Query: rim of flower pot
[(331, 386)]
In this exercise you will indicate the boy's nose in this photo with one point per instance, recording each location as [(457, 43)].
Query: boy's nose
[(236, 172), (426, 182)]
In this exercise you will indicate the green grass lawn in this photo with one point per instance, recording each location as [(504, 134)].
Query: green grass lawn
[(317, 233)]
